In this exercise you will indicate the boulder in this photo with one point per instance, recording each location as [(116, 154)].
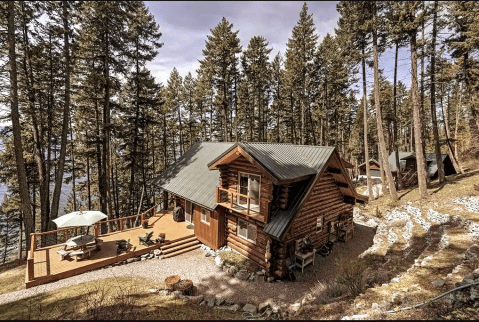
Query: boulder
[(252, 277), (144, 255), (129, 260), (232, 271), (250, 308), (260, 273), (438, 283), (218, 261), (234, 308), (397, 298), (157, 252), (242, 274), (203, 302), (196, 299), (143, 259), (263, 306), (164, 292), (469, 278), (219, 301), (153, 290), (270, 279), (211, 302), (177, 294)]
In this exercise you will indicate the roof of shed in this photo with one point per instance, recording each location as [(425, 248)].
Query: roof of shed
[(190, 178)]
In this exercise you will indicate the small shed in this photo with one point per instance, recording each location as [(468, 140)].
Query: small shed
[(373, 167)]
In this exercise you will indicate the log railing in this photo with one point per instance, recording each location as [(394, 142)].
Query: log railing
[(229, 198), (64, 234)]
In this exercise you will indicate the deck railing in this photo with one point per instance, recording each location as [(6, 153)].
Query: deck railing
[(63, 234), (230, 198)]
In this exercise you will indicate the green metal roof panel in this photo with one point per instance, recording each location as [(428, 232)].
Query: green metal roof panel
[(190, 178)]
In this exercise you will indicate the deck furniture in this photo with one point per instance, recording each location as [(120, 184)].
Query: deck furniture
[(122, 246), (63, 254), (305, 259), (79, 241), (146, 240), (83, 253)]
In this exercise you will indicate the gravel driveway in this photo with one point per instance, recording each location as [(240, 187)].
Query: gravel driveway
[(211, 280)]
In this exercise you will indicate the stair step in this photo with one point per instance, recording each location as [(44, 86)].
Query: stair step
[(181, 251), (177, 243), (181, 246)]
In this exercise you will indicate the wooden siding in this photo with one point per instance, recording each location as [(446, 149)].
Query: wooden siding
[(229, 178), (211, 235), (325, 199), (253, 251)]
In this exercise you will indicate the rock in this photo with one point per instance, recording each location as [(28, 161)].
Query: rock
[(242, 274), (232, 271), (469, 278), (309, 298), (384, 306), (219, 301), (211, 302), (203, 302), (359, 317), (129, 260), (438, 283), (397, 298), (263, 306), (144, 255), (252, 277), (151, 256), (260, 273), (234, 308), (225, 268), (218, 261), (207, 254), (177, 294), (395, 280), (308, 308), (157, 252), (153, 290), (143, 259), (475, 273), (196, 299), (270, 279), (164, 292), (250, 308), (461, 284), (268, 313), (372, 223), (375, 307)]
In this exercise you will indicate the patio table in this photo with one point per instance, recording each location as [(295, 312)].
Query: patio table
[(79, 241)]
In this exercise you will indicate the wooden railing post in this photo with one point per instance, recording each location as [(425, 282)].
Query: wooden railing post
[(96, 229), (142, 218), (47, 260), (248, 202), (33, 244), (30, 267), (154, 210), (232, 199), (121, 224), (67, 234), (217, 196), (266, 215)]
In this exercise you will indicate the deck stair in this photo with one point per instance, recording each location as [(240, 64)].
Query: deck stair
[(181, 246)]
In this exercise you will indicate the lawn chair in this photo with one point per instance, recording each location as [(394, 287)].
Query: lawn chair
[(122, 246), (147, 239), (63, 254)]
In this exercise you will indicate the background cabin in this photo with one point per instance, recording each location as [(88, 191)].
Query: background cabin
[(374, 168)]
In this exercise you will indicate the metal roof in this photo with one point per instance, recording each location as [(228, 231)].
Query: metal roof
[(402, 163), (285, 161), (430, 158), (432, 169), (190, 178)]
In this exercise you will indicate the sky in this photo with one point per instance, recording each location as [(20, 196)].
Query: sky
[(185, 25)]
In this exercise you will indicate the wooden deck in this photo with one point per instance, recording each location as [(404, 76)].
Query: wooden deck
[(48, 267)]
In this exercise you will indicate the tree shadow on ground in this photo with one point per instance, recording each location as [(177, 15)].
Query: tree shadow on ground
[(324, 270)]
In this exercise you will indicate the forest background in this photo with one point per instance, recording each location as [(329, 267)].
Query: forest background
[(82, 108)]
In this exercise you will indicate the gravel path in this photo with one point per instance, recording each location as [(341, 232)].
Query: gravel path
[(211, 280)]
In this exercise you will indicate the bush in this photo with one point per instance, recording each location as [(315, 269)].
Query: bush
[(352, 275), (325, 291)]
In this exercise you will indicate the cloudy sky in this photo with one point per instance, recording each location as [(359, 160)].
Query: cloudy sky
[(185, 25)]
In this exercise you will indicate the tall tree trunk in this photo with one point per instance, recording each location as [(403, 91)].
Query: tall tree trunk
[(66, 118), (395, 130), (421, 162), (73, 167), (445, 113), (437, 148), (382, 143), (365, 123), (106, 128), (458, 107), (25, 204)]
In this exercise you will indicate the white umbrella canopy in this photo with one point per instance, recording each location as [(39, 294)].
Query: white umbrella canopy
[(79, 218)]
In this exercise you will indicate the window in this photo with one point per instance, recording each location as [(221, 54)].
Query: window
[(247, 231), (205, 216), (249, 185), (320, 224)]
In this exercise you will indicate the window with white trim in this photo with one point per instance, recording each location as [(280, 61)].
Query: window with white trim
[(205, 216), (319, 224), (247, 231)]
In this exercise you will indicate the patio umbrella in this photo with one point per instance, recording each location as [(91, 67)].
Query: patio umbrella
[(79, 218)]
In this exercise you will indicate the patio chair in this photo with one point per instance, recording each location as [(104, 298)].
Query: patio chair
[(147, 239), (122, 246), (63, 254)]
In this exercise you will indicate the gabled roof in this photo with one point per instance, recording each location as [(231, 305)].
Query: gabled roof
[(392, 159), (364, 163), (284, 161), (430, 159), (190, 178), (432, 169)]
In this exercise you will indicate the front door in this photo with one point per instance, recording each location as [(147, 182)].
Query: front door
[(189, 212)]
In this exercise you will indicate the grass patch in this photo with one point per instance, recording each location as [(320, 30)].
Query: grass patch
[(106, 299), (12, 276), (240, 261)]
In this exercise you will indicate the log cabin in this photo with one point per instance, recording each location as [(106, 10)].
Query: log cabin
[(263, 199)]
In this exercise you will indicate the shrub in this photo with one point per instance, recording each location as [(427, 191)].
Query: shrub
[(352, 275)]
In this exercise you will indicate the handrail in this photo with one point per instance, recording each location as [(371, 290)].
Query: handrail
[(265, 202), (241, 195)]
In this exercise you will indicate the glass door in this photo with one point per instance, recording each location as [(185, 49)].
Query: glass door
[(249, 185), (189, 212)]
